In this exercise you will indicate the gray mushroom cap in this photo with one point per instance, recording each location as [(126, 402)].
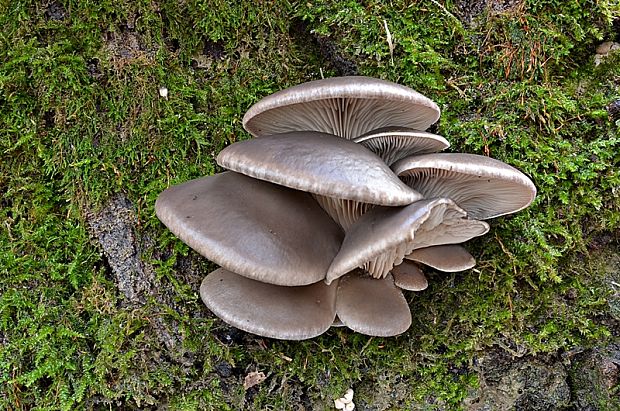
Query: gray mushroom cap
[(448, 258), (485, 187), (288, 313), (372, 307), (344, 106), (383, 236), (257, 229), (395, 143), (321, 164), (408, 276)]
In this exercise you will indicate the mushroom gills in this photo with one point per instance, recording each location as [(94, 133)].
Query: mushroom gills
[(395, 143), (455, 231), (483, 186), (383, 236), (343, 212), (344, 117), (344, 106)]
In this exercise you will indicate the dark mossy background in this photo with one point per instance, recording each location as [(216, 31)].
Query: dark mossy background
[(99, 305)]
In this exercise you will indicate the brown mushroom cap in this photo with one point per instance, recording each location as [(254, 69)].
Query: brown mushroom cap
[(383, 236), (395, 143), (485, 187), (408, 276), (448, 258), (321, 164), (257, 229), (288, 313), (344, 106), (372, 307)]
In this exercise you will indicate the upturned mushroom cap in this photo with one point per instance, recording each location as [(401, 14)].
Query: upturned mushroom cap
[(372, 307), (448, 258), (383, 236), (257, 229), (408, 276), (485, 187), (395, 143), (344, 106), (321, 164), (288, 313)]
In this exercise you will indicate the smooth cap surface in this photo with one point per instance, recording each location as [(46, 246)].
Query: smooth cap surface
[(321, 164), (449, 258), (287, 313), (372, 306), (408, 276), (257, 229), (345, 106), (485, 187)]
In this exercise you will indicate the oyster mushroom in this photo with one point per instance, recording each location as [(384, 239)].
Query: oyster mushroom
[(251, 227), (408, 276), (448, 258), (275, 311), (382, 237), (484, 187), (363, 304), (344, 106), (344, 177), (370, 306), (276, 245)]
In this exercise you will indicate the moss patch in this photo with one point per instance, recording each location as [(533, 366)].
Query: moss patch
[(81, 121)]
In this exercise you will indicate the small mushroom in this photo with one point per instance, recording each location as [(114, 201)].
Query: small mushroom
[(484, 187), (372, 307), (287, 313), (408, 276), (383, 236), (448, 258), (251, 227), (395, 143), (344, 106)]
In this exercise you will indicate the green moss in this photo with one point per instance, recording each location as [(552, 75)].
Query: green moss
[(81, 118)]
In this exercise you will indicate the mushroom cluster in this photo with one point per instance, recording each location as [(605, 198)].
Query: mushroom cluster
[(330, 212)]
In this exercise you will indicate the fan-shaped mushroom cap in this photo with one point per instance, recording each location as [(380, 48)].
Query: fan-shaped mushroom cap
[(448, 258), (257, 229), (344, 106), (383, 236), (288, 313), (372, 307), (320, 164), (485, 187), (395, 143), (408, 276)]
